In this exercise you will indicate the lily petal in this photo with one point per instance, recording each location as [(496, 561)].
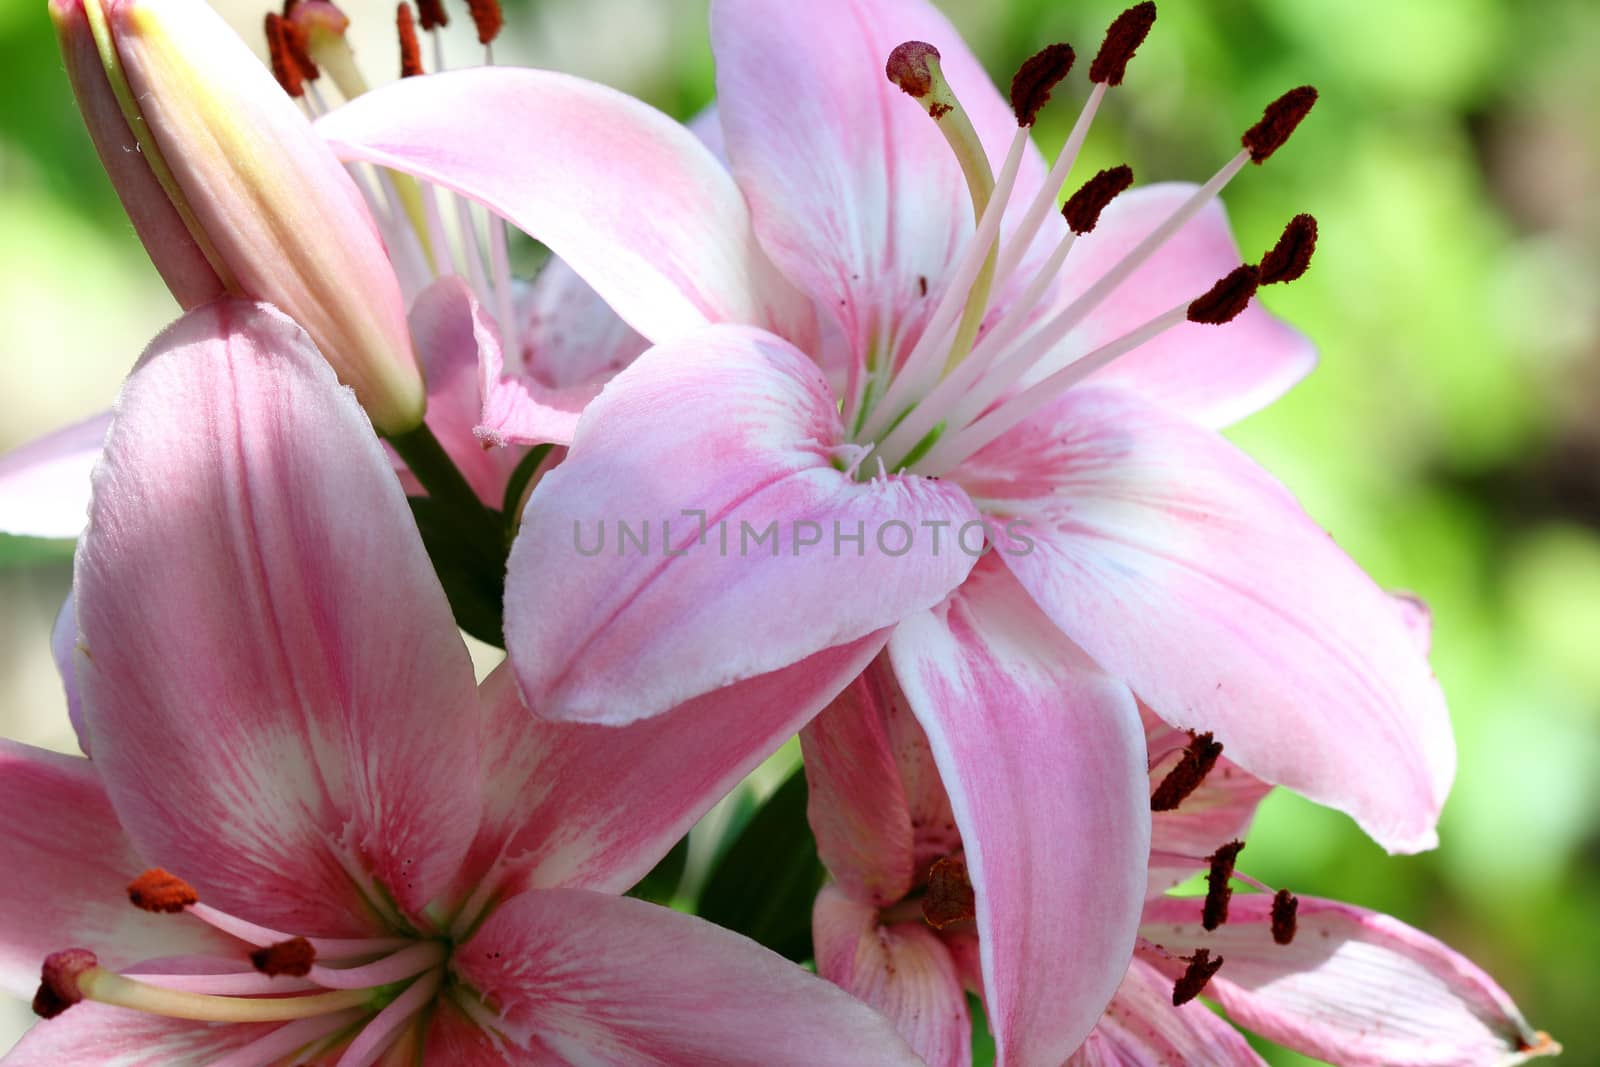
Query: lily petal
[(44, 485), (63, 647), (599, 979), (902, 971), (278, 699), (573, 805), (630, 199), (456, 339), (570, 336), (1187, 571), (116, 1037), (1044, 760), (855, 193), (1214, 375), (725, 450), (68, 864), (1355, 987), (1141, 1028)]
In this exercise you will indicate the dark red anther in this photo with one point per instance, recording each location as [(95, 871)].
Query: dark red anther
[(1193, 766), (58, 981), (431, 13), (1291, 256), (294, 36), (410, 49), (159, 890), (1223, 301), (1285, 914), (950, 898), (486, 15), (1034, 80), (908, 67), (284, 68), (1123, 39), (1278, 122), (1195, 976), (1218, 892), (293, 957), (1082, 209)]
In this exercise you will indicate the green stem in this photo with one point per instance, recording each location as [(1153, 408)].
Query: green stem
[(431, 466)]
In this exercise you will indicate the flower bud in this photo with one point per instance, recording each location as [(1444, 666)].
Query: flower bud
[(264, 203)]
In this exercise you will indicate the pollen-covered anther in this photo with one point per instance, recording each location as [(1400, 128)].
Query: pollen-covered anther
[(1082, 209), (1218, 892), (1126, 33), (410, 48), (1196, 762), (1201, 967), (1225, 300), (1039, 74), (1278, 121), (1285, 912), (949, 898), (58, 981), (487, 17), (159, 890), (1290, 257), (284, 66), (293, 957), (294, 35), (431, 14)]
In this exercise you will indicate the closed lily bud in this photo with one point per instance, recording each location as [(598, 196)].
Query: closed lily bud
[(231, 190)]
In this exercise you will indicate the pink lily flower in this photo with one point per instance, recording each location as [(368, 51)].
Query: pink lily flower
[(903, 926), (370, 856), (933, 355)]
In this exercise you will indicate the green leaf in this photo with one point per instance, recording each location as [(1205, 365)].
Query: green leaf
[(473, 580), (660, 886), (766, 881), (27, 551)]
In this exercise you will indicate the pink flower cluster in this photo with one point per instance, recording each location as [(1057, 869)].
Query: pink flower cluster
[(843, 299)]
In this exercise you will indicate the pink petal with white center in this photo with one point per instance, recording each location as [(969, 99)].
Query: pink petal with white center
[(1217, 812), (44, 485), (1044, 760), (114, 1037), (1418, 619), (855, 193), (1354, 986), (855, 803), (455, 338), (630, 199), (279, 702), (723, 453), (902, 970), (67, 867), (1141, 1028), (1188, 572), (1212, 374), (612, 980), (595, 807), (570, 336)]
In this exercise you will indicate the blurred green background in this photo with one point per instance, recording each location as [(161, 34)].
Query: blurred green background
[(1450, 438)]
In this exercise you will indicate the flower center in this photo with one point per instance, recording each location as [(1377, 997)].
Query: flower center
[(327, 991), (961, 384)]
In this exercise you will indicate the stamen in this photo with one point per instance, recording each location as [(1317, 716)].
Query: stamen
[(1193, 766), (284, 67), (1285, 910), (1201, 968), (300, 50), (261, 936), (1291, 256), (410, 47), (1218, 892), (1123, 38), (950, 898), (375, 1037), (293, 957), (1224, 301), (486, 16), (432, 14), (162, 891), (1083, 208), (1278, 122), (282, 1041), (416, 957), (1034, 80)]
